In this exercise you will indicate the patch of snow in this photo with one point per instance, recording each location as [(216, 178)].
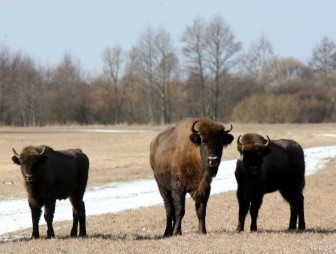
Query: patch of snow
[(328, 135), (116, 197)]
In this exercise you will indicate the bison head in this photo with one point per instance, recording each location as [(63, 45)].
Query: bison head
[(253, 148), (29, 160), (210, 137)]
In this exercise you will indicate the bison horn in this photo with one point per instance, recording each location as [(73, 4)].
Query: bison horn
[(238, 141), (15, 153), (240, 144), (193, 127), (227, 131), (41, 153), (268, 142)]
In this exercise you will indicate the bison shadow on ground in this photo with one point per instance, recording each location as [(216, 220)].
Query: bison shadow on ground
[(140, 237)]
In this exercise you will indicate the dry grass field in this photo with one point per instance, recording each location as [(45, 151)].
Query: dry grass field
[(124, 156)]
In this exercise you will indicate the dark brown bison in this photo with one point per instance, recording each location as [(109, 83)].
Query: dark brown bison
[(266, 166), (50, 175), (184, 159)]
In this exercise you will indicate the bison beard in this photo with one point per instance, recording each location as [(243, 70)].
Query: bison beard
[(268, 166), (50, 175), (184, 159)]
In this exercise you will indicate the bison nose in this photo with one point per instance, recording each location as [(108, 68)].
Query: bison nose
[(213, 161), (29, 178)]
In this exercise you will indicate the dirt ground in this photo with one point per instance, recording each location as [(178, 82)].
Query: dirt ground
[(124, 156)]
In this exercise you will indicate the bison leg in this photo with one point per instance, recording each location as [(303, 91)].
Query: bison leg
[(201, 212), (243, 209), (170, 211), (296, 207), (49, 210), (82, 221), (293, 217), (297, 210), (179, 207), (36, 214), (302, 224), (78, 214), (254, 210)]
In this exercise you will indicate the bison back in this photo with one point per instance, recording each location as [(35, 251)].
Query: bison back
[(172, 154), (285, 164), (67, 172)]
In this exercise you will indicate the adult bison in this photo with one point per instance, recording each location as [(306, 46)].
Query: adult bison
[(266, 166), (50, 175), (184, 159)]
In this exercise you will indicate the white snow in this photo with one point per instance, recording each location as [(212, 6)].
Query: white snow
[(116, 197), (328, 135)]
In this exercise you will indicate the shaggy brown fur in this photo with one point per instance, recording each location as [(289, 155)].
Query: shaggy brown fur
[(251, 142), (184, 159), (50, 175)]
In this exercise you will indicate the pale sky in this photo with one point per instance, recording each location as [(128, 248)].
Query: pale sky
[(46, 29)]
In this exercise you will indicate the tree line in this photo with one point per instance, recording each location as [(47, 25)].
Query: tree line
[(154, 82)]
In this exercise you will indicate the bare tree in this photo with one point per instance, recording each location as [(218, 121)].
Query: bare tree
[(148, 60), (194, 47), (323, 63), (165, 70), (221, 49), (113, 59), (258, 59), (68, 93), (284, 69), (322, 60), (5, 62), (25, 84), (129, 82)]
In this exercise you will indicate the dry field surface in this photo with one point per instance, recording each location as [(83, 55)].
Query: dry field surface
[(124, 156)]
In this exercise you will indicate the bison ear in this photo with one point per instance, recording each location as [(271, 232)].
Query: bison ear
[(195, 138), (16, 160), (267, 151), (227, 139), (42, 159)]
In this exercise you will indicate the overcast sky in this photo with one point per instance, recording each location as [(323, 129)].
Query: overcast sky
[(46, 29)]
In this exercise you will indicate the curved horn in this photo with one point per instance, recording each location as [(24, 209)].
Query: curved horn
[(41, 153), (15, 153), (240, 145), (268, 142), (227, 131), (193, 127), (238, 141)]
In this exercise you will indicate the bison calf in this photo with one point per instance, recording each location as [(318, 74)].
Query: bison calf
[(184, 159), (266, 166), (50, 175)]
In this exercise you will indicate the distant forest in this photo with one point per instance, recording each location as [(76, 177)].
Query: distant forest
[(156, 83)]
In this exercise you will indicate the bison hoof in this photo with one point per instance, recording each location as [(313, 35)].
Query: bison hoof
[(167, 234), (302, 228), (239, 229), (177, 233), (50, 235), (202, 232), (253, 229)]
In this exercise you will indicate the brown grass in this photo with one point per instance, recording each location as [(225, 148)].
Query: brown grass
[(118, 157)]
